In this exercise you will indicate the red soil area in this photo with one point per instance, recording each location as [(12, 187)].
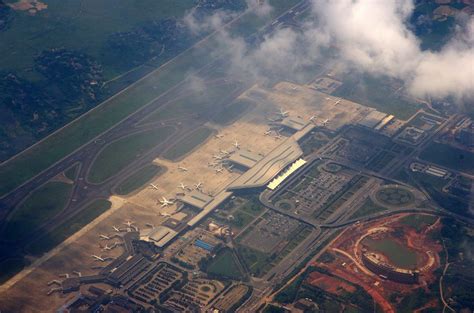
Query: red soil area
[(329, 284), (381, 289)]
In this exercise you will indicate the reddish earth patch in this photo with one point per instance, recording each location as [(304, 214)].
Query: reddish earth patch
[(381, 289), (329, 284)]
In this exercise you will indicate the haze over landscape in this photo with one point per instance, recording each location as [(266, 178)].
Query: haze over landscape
[(236, 156)]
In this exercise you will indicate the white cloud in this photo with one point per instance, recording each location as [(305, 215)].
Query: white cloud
[(368, 35)]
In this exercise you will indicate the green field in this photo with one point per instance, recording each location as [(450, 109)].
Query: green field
[(418, 221), (91, 124), (233, 111), (71, 173), (83, 25), (256, 261), (117, 155), (397, 253), (225, 265), (394, 196), (10, 267), (367, 208), (241, 219), (61, 233), (193, 103), (187, 144), (137, 179), (41, 205), (379, 94), (448, 156)]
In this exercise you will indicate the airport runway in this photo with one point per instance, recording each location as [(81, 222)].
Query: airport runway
[(83, 191)]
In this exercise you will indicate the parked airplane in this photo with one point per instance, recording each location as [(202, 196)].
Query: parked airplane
[(219, 170), (198, 186), (116, 228), (325, 122), (337, 102), (236, 144), (106, 248), (98, 258), (182, 168), (165, 202), (104, 237), (283, 113), (268, 132), (218, 136), (182, 186), (153, 187), (312, 118), (165, 214), (128, 223), (77, 273)]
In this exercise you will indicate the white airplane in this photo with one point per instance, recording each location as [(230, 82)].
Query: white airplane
[(198, 186), (104, 237), (182, 186), (337, 102), (165, 202), (277, 136), (182, 168), (294, 87), (106, 248), (325, 122), (54, 281), (153, 187), (229, 168), (165, 214), (116, 229), (312, 118), (225, 152), (217, 157), (218, 136), (77, 273), (283, 113), (128, 223), (236, 144), (219, 170), (98, 258), (268, 132)]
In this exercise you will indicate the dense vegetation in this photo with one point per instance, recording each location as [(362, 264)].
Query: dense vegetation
[(6, 15), (55, 81)]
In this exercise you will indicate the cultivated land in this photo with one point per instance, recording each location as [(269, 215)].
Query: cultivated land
[(117, 155)]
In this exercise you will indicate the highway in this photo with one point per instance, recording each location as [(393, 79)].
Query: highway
[(339, 220)]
